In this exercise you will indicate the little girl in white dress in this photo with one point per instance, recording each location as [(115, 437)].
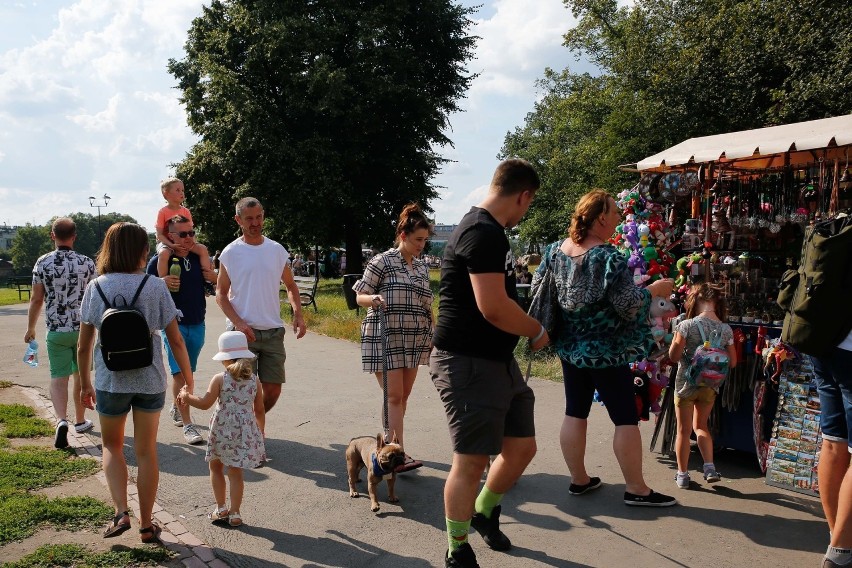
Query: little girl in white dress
[(236, 427)]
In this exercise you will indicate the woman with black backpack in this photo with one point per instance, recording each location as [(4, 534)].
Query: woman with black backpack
[(129, 372)]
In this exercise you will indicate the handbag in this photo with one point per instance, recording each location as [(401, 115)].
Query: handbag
[(544, 305)]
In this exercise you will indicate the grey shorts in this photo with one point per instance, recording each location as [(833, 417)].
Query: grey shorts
[(269, 348), (485, 400)]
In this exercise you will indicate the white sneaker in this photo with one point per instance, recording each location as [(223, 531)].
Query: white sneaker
[(191, 435), (84, 426), (712, 476), (175, 414), (682, 480)]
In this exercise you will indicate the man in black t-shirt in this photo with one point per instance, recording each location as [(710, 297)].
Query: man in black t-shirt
[(489, 406)]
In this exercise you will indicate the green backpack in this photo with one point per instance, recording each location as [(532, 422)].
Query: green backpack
[(818, 296)]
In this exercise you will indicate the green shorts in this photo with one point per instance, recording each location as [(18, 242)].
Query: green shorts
[(269, 348), (62, 353)]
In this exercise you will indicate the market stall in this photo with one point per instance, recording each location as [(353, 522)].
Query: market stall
[(733, 208)]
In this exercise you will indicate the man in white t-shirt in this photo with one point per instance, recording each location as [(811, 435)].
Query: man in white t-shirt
[(251, 270)]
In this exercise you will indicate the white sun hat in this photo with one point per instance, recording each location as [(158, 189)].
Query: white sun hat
[(233, 345)]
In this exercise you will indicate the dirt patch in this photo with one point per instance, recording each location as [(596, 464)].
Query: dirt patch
[(89, 486)]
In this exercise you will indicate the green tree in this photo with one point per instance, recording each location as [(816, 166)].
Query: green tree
[(672, 70), (89, 234), (30, 242), (328, 112)]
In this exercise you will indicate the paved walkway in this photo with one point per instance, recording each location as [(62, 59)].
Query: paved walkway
[(298, 512)]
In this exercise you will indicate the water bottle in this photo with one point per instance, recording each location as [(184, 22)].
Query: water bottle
[(31, 355), (174, 270)]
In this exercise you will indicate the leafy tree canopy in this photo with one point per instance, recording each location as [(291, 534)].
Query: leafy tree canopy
[(32, 241), (327, 111), (672, 70)]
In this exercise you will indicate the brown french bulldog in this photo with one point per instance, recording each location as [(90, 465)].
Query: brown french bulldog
[(380, 459)]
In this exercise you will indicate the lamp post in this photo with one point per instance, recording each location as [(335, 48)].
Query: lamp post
[(93, 202)]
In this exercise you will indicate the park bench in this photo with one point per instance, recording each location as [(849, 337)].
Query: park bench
[(24, 284), (307, 291)]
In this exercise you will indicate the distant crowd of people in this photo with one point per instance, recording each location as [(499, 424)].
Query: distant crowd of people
[(603, 326)]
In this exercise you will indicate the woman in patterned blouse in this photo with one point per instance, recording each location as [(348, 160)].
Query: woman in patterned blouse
[(604, 327), (395, 287)]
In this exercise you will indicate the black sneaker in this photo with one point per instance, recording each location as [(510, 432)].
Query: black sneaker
[(462, 557), (594, 483), (60, 440), (653, 499), (489, 530)]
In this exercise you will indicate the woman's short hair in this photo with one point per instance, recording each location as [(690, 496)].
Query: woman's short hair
[(591, 206), (411, 219), (125, 246)]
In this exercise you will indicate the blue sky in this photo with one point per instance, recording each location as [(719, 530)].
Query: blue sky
[(87, 106)]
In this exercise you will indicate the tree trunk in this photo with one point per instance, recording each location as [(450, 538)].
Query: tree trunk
[(354, 264)]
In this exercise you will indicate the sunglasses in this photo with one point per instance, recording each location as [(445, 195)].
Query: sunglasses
[(183, 234)]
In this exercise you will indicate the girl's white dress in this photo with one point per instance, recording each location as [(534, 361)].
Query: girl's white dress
[(235, 437)]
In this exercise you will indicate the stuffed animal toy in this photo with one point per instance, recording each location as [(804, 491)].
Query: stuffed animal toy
[(661, 313), (641, 383)]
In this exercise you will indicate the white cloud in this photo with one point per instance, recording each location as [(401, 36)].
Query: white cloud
[(89, 103)]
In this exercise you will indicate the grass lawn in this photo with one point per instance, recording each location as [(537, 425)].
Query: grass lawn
[(9, 296), (23, 511)]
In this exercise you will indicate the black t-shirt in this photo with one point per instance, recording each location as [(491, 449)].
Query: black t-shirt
[(190, 298), (477, 246)]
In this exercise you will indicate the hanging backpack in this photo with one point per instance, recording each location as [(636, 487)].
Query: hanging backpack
[(710, 363), (816, 296), (125, 336)]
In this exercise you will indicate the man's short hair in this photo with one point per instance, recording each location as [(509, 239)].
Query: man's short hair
[(64, 228), (247, 202), (514, 176), (176, 220)]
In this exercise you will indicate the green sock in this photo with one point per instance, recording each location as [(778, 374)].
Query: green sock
[(456, 534), (486, 501)]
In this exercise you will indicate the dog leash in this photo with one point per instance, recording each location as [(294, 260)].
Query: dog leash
[(383, 342)]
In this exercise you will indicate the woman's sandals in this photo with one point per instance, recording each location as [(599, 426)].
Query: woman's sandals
[(151, 535), (115, 527)]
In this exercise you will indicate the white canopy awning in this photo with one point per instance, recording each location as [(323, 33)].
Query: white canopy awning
[(760, 148)]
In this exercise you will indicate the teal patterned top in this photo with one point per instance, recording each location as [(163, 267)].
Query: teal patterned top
[(605, 316)]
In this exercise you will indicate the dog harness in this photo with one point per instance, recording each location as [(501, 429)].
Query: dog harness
[(377, 469)]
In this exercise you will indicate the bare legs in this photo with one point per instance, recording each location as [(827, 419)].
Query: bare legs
[(115, 466), (145, 426), (400, 384), (687, 421), (626, 443), (466, 472), (76, 388), (59, 396), (217, 480), (833, 473), (271, 392)]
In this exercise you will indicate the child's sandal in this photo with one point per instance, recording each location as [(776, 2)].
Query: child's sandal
[(235, 520), (218, 515), (151, 534)]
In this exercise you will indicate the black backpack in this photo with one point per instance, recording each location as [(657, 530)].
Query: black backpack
[(816, 296), (125, 336)]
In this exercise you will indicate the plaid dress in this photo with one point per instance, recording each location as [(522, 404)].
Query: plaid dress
[(408, 311)]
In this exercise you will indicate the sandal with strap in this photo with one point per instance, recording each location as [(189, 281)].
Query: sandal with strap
[(218, 515), (115, 528), (235, 520), (151, 534)]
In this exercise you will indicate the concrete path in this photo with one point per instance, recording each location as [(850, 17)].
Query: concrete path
[(298, 512)]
